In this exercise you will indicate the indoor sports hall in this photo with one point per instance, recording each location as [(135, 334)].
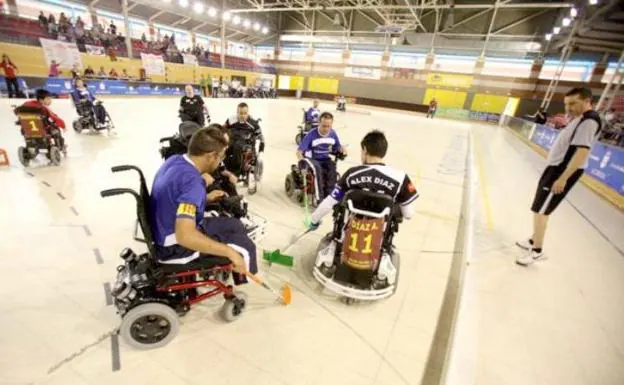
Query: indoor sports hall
[(471, 99)]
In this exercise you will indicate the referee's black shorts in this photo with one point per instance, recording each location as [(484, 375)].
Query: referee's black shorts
[(545, 202)]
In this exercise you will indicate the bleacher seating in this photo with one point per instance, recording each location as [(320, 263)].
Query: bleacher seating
[(25, 31), (20, 30)]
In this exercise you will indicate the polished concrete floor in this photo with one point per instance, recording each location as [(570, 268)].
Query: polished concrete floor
[(553, 323)]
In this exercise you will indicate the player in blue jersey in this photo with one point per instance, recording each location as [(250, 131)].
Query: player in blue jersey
[(177, 203), (312, 116), (317, 146)]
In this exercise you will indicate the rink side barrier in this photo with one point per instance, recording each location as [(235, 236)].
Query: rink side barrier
[(63, 86), (452, 355), (442, 113), (605, 170)]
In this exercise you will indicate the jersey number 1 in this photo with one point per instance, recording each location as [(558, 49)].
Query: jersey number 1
[(368, 241), (33, 126)]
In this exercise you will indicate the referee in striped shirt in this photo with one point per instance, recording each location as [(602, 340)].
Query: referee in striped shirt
[(566, 160)]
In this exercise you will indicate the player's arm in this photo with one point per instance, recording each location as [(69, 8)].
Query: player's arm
[(339, 145), (259, 135), (56, 119), (326, 206), (581, 145), (406, 197), (186, 232), (305, 145)]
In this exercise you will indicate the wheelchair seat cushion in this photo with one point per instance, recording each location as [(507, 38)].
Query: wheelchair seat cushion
[(203, 262)]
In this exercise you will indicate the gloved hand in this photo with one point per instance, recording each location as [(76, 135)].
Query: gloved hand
[(261, 149)]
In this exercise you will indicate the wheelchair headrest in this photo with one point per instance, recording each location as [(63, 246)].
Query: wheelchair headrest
[(28, 110), (368, 203), (187, 129)]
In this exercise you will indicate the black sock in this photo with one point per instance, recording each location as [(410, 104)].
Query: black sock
[(537, 250)]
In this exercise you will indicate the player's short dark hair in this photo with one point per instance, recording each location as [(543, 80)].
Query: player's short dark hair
[(41, 94), (242, 105), (205, 141), (326, 115), (375, 143), (219, 127), (583, 93)]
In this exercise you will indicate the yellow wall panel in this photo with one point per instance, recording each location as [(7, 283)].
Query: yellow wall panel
[(445, 98), (29, 60), (489, 103), (323, 85), (296, 82)]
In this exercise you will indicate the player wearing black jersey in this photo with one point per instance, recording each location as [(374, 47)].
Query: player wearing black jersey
[(373, 175), (192, 107)]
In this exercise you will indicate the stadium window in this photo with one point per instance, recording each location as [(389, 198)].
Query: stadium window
[(451, 63), (407, 60), (610, 72), (577, 71), (515, 68)]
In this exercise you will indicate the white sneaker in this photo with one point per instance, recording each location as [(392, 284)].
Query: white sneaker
[(326, 255), (387, 270), (526, 244), (531, 256)]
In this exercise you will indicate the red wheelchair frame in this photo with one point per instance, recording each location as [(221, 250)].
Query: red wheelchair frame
[(184, 276)]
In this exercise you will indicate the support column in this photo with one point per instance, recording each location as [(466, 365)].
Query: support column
[(479, 64), (223, 44), (124, 7), (563, 60), (600, 69), (92, 14), (152, 31), (536, 68), (12, 7), (607, 88), (429, 59)]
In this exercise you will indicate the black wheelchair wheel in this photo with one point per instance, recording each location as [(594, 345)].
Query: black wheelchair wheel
[(24, 158), (289, 185), (55, 155), (77, 126), (298, 138)]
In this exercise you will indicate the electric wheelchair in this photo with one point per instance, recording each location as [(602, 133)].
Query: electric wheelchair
[(242, 158), (357, 260), (40, 135), (92, 116), (304, 128), (341, 104), (303, 181), (151, 296), (234, 205)]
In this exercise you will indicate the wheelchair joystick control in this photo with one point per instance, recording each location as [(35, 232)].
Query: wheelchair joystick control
[(127, 254)]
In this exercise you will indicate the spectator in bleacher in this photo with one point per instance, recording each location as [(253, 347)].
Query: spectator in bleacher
[(54, 69), (101, 72), (63, 23), (143, 38), (79, 23), (75, 72), (52, 26), (113, 73), (89, 73), (113, 28), (10, 76), (112, 54), (43, 20), (142, 75), (124, 74)]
